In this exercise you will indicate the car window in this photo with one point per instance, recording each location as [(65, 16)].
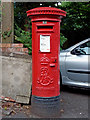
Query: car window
[(85, 48)]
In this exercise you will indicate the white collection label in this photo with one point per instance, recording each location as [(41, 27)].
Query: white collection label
[(44, 43)]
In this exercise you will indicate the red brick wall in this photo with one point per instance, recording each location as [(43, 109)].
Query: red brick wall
[(13, 48)]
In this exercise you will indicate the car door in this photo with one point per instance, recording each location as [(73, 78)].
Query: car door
[(78, 62)]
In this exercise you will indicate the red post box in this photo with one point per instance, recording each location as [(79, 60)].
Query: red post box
[(45, 59)]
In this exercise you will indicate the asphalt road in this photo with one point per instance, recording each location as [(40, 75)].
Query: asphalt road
[(74, 104)]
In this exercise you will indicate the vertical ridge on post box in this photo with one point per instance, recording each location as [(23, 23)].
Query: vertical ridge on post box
[(45, 60)]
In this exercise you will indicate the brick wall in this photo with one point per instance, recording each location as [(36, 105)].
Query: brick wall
[(13, 48)]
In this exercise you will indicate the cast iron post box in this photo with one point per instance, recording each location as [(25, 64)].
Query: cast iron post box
[(45, 59)]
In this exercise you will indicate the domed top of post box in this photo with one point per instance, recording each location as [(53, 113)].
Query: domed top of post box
[(46, 11)]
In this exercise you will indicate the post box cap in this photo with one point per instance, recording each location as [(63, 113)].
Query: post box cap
[(46, 10)]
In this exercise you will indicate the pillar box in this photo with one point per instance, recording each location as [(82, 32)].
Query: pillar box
[(45, 59)]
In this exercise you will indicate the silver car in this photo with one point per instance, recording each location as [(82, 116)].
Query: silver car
[(75, 65)]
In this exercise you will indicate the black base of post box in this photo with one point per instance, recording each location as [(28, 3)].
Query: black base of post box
[(46, 107)]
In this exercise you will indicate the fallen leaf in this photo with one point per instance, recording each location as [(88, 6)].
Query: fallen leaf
[(5, 108), (18, 105), (61, 100), (62, 110), (27, 107), (8, 112), (9, 99), (14, 111)]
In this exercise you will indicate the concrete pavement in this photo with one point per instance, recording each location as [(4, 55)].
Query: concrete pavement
[(74, 104)]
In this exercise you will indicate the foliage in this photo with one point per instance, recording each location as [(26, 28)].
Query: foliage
[(76, 25), (20, 9), (6, 34), (23, 37), (77, 15), (63, 39)]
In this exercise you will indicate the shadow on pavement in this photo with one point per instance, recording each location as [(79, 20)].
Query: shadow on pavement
[(75, 90)]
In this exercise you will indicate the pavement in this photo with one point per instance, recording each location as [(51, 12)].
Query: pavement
[(74, 104)]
